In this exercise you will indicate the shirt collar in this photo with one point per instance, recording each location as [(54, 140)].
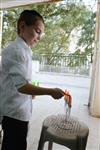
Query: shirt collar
[(23, 44)]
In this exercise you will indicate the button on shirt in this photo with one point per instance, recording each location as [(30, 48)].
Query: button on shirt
[(15, 71)]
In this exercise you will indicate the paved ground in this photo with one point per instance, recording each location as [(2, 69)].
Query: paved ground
[(44, 106)]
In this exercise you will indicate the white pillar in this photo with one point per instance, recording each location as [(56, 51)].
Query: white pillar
[(94, 98), (1, 21)]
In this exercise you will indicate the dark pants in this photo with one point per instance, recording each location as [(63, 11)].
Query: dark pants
[(14, 134)]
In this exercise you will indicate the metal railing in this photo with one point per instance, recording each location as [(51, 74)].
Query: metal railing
[(70, 64)]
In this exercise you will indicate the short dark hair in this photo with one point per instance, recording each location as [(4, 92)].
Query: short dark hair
[(29, 17)]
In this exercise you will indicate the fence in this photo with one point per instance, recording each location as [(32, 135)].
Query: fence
[(70, 64)]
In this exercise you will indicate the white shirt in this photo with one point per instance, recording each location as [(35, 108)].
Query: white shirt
[(15, 71)]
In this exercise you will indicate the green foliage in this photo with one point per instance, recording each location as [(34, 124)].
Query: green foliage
[(60, 20), (87, 35), (9, 25)]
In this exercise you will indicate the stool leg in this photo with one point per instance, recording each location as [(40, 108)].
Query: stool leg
[(0, 137), (50, 145), (82, 142), (42, 139), (41, 145)]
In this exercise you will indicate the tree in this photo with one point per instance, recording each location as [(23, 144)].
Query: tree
[(87, 35), (60, 21)]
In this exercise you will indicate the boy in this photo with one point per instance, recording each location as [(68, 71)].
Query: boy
[(15, 81)]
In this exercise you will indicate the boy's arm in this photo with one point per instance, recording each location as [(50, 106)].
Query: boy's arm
[(30, 89)]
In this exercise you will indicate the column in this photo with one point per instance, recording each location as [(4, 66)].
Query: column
[(1, 21), (94, 97)]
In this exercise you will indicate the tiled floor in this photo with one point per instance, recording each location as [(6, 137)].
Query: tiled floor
[(44, 106)]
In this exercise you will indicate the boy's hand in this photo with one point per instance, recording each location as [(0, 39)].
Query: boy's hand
[(57, 93)]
